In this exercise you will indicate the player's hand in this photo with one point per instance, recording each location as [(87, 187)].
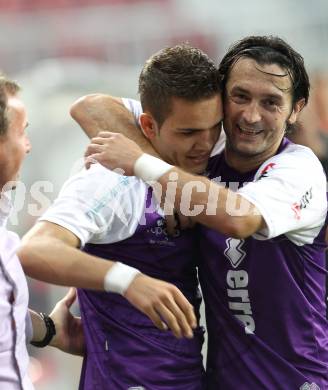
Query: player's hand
[(69, 332), (164, 304), (113, 151), (177, 222)]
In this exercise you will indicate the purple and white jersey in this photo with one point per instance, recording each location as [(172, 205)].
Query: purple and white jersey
[(264, 295), (115, 217)]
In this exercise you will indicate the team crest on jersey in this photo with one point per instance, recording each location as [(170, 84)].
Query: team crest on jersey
[(234, 253), (309, 386)]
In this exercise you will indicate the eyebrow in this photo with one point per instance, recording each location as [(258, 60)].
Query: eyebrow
[(269, 95)]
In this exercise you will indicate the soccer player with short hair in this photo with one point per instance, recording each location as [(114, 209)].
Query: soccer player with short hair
[(262, 243), (117, 218)]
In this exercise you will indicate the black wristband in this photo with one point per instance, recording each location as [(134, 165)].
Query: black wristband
[(51, 331)]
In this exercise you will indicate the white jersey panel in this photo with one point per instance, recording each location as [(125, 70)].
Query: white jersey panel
[(289, 190), (135, 107), (99, 206), (220, 144)]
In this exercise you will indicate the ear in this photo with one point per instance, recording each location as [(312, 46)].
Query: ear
[(148, 125), (298, 107)]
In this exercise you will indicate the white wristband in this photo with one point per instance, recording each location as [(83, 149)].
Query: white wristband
[(150, 168), (119, 277)]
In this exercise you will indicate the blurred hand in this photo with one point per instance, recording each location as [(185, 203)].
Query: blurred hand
[(113, 151), (177, 222), (164, 304), (174, 219), (69, 332)]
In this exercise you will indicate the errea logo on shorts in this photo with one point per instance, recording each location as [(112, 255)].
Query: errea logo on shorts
[(308, 386), (237, 281), (137, 388), (234, 252)]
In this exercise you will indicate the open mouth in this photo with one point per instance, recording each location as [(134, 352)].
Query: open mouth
[(249, 132)]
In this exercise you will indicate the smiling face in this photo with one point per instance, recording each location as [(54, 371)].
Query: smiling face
[(188, 134), (258, 106), (14, 145)]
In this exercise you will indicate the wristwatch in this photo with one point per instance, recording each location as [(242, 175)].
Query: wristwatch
[(51, 331)]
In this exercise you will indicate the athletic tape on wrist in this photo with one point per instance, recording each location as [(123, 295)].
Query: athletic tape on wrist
[(150, 168), (119, 278)]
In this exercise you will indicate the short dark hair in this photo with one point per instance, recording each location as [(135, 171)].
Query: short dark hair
[(267, 50), (180, 71), (7, 87)]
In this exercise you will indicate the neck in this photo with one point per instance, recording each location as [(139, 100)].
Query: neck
[(244, 163)]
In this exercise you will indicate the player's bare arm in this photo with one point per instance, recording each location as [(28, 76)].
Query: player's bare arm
[(116, 151), (50, 253), (99, 112)]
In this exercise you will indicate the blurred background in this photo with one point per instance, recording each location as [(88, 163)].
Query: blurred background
[(60, 50)]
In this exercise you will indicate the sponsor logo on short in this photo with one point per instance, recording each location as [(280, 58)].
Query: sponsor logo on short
[(309, 386), (137, 388)]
